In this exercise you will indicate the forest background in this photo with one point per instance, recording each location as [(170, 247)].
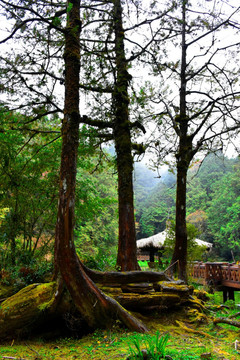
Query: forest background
[(29, 193), (30, 154)]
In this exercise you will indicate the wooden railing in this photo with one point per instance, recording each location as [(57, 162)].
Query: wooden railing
[(217, 274)]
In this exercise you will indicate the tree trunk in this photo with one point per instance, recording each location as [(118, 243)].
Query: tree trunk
[(180, 250), (95, 307), (183, 157), (12, 232), (13, 249), (127, 249)]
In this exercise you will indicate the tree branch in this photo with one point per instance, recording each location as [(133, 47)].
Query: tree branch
[(96, 123)]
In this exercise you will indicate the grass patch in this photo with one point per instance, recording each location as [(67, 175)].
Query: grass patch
[(143, 264), (114, 344)]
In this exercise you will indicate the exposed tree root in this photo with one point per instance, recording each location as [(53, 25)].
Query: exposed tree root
[(234, 315), (197, 316), (123, 278), (190, 330), (227, 321), (37, 305)]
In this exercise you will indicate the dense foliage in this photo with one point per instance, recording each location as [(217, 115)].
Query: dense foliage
[(29, 169), (96, 208), (29, 188), (212, 204), (30, 154)]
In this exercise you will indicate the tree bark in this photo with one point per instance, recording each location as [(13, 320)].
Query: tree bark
[(227, 321), (12, 231), (183, 157), (95, 307), (180, 250), (127, 249), (124, 278)]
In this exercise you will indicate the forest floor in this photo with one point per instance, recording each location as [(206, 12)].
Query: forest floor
[(192, 335)]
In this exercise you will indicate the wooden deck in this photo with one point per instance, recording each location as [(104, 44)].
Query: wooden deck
[(221, 276)]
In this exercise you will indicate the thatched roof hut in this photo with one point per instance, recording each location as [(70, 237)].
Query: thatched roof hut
[(154, 243)]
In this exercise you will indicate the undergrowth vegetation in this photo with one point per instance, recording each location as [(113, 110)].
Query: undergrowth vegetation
[(178, 335)]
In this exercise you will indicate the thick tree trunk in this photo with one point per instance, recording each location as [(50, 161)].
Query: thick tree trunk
[(183, 157), (70, 134), (127, 249), (95, 307), (180, 250)]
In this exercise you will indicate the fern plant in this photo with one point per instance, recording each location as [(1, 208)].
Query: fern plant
[(154, 347)]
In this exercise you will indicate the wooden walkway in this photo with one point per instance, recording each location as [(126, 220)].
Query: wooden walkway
[(221, 276)]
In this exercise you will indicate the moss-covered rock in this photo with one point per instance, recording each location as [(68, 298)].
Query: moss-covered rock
[(202, 295), (174, 288), (22, 311)]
